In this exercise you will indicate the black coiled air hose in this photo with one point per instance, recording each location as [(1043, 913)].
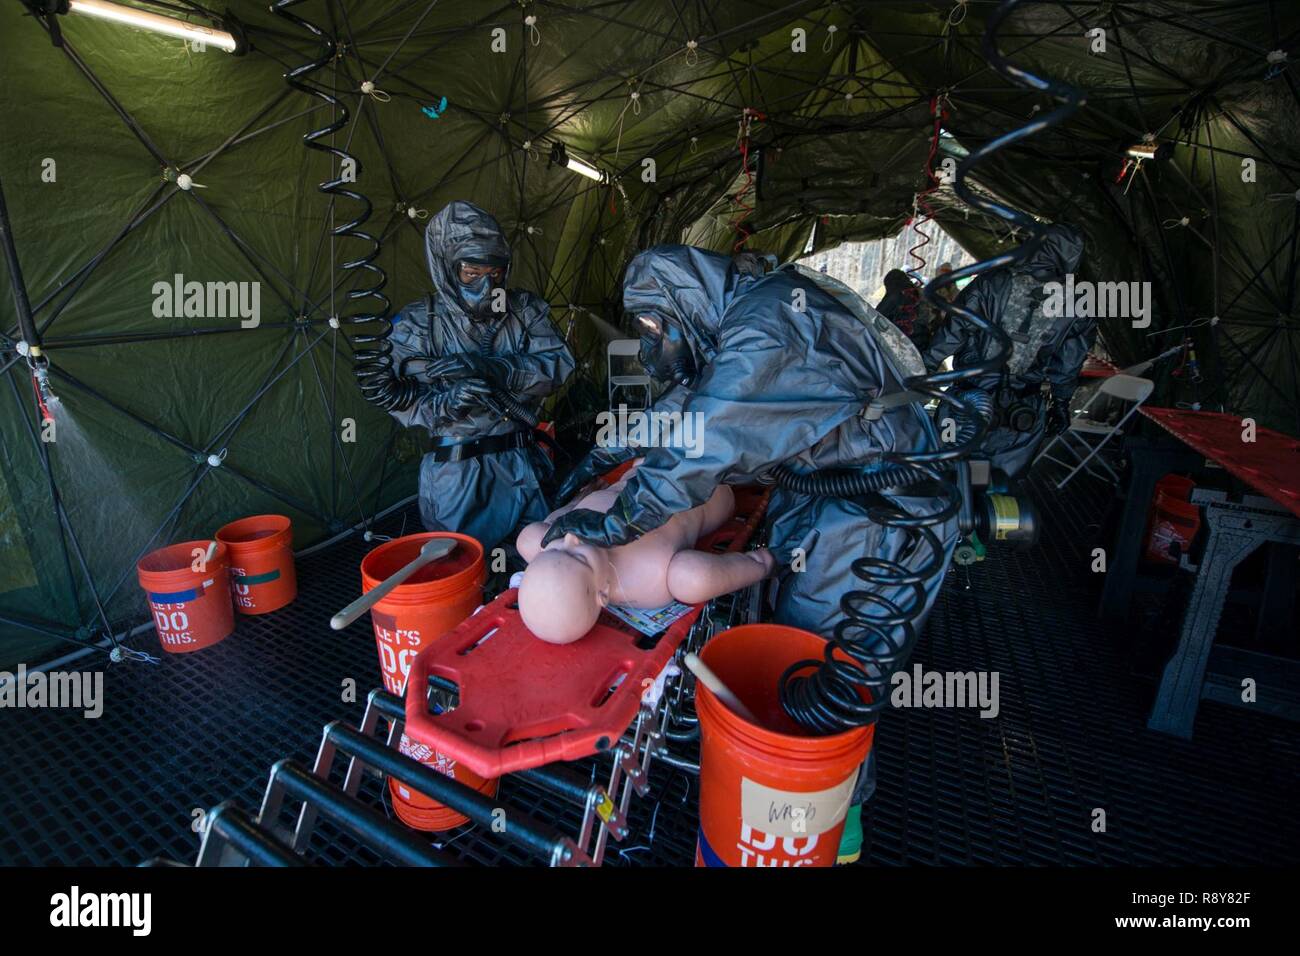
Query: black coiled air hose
[(846, 484), (368, 330), (824, 695), (507, 403), (977, 407)]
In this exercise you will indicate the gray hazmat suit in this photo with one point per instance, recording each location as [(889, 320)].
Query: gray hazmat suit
[(486, 496), (1045, 349), (787, 363)]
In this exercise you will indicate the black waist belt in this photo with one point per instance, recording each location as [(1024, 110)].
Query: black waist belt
[(459, 451)]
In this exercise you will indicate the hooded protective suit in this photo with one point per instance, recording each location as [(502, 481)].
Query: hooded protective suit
[(785, 366), (1046, 348), (488, 495)]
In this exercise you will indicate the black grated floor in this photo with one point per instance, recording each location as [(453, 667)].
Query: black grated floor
[(953, 788)]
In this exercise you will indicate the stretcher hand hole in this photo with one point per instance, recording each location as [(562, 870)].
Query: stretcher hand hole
[(610, 687), (477, 642)]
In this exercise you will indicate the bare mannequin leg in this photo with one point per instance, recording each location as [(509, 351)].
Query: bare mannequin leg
[(718, 510), (697, 576)]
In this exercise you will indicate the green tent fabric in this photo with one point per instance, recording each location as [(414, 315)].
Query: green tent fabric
[(839, 98)]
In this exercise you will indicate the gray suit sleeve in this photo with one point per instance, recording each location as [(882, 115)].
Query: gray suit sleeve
[(547, 363), (409, 338)]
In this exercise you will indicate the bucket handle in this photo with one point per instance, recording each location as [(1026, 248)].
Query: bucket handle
[(433, 549)]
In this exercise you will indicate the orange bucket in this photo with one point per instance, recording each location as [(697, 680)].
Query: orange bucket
[(425, 606), (262, 576), (190, 598), (1173, 519), (769, 795)]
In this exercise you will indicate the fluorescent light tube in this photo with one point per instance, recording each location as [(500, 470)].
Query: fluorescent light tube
[(155, 23), (585, 169)]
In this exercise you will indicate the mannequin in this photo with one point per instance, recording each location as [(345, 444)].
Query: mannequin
[(569, 581)]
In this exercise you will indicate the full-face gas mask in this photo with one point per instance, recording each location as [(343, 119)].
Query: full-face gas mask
[(666, 352), (476, 282)]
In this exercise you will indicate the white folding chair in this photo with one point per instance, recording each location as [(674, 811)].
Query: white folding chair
[(1086, 434), (623, 349)]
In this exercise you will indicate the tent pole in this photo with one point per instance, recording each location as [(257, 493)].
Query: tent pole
[(21, 302)]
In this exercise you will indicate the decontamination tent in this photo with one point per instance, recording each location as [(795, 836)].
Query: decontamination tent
[(799, 124)]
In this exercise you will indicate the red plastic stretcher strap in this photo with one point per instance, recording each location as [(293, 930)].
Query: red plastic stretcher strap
[(525, 703), (1270, 464)]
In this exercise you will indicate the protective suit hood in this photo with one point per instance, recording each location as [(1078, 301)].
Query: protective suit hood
[(693, 285), (461, 231), (1060, 252)]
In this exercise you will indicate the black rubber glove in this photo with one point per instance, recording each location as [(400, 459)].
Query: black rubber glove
[(465, 395), (604, 530), (490, 368), (596, 462)]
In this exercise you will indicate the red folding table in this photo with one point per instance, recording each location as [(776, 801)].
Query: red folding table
[(1269, 463)]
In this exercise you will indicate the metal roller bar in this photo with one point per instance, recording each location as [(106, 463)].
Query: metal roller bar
[(390, 705), (593, 798), (522, 829), (560, 781), (290, 777), (378, 703), (229, 826)]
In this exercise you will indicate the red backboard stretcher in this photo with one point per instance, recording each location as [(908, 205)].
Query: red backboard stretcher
[(525, 703)]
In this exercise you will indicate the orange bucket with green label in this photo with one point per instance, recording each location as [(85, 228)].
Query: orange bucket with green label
[(262, 575), (770, 794), (189, 595), (422, 608)]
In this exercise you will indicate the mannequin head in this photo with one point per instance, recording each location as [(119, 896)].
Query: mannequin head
[(563, 590)]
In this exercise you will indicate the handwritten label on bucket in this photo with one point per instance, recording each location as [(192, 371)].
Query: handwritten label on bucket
[(783, 813)]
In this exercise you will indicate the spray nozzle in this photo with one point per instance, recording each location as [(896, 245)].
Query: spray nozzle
[(45, 396)]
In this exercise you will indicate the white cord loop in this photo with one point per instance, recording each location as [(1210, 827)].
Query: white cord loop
[(369, 89), (122, 653)]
